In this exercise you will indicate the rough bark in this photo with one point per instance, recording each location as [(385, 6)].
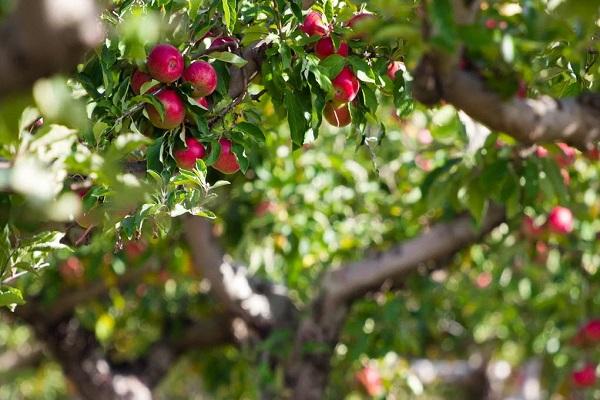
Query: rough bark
[(43, 37)]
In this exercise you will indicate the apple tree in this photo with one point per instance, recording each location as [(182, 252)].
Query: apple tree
[(299, 199)]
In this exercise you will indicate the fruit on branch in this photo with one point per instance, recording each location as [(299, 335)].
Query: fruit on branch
[(566, 155), (138, 78), (370, 380), (165, 63), (227, 162), (522, 90), (224, 42), (588, 333), (359, 22), (71, 270), (314, 25), (393, 67), (325, 47), (585, 376), (186, 156), (202, 76), (174, 110), (566, 176), (541, 151), (529, 228), (134, 249), (202, 102), (560, 220), (541, 252), (337, 114), (346, 85), (593, 154)]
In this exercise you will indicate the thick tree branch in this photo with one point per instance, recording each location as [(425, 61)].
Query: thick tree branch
[(307, 371), (575, 121), (353, 280), (43, 37), (261, 305)]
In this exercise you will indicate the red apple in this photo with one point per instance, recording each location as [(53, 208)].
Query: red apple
[(484, 280), (227, 162), (566, 155), (224, 43), (358, 22), (541, 151), (529, 228), (134, 249), (202, 102), (72, 271), (541, 252), (165, 63), (590, 332), (313, 24), (174, 110), (560, 220), (186, 157), (393, 68), (491, 23), (202, 76), (346, 85), (585, 376), (593, 154), (325, 47), (370, 380), (337, 114), (138, 78)]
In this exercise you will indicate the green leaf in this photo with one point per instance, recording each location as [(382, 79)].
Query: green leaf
[(252, 130), (229, 58), (297, 111), (332, 65), (10, 296), (443, 26)]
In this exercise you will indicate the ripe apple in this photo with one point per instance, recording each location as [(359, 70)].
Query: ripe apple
[(346, 85), (227, 162), (585, 376), (186, 157), (393, 68), (370, 380), (165, 63), (593, 154), (566, 155), (202, 102), (337, 114), (590, 332), (138, 78), (313, 24), (541, 151), (174, 110), (202, 76), (133, 249), (358, 22), (225, 43), (541, 252), (529, 228), (325, 47), (560, 220), (71, 270), (522, 90)]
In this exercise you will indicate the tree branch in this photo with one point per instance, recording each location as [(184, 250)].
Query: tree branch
[(575, 120), (307, 371), (43, 37), (262, 305)]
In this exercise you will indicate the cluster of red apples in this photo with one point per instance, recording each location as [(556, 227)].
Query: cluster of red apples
[(588, 336), (166, 65), (345, 84)]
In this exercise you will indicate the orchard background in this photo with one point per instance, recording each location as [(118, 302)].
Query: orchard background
[(279, 199)]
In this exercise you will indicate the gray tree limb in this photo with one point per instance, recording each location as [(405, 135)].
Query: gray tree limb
[(43, 37)]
